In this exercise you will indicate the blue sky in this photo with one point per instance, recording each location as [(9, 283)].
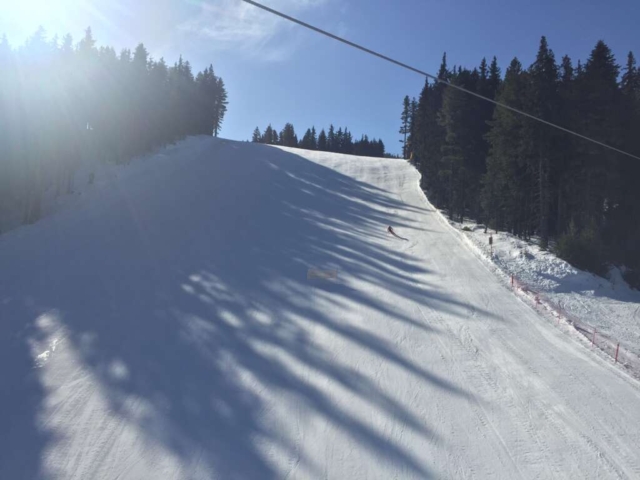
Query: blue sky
[(276, 72)]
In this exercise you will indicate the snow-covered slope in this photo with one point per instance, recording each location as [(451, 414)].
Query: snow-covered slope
[(608, 305), (167, 327)]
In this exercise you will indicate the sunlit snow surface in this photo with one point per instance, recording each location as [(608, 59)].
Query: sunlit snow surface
[(163, 324)]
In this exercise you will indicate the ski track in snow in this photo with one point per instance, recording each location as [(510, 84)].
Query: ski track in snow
[(165, 327)]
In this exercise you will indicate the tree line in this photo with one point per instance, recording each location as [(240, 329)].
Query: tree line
[(524, 177), (338, 141), (62, 103)]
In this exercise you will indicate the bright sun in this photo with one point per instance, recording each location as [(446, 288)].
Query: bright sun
[(23, 17)]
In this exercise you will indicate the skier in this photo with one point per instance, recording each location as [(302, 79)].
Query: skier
[(392, 232)]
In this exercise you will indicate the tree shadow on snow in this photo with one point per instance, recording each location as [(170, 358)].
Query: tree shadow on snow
[(186, 299)]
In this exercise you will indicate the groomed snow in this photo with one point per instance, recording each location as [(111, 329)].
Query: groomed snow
[(166, 326)]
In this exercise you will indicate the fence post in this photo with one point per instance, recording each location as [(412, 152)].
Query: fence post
[(511, 280), (617, 350), (593, 340)]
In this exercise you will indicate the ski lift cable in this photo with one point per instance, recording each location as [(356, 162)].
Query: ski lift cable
[(433, 77)]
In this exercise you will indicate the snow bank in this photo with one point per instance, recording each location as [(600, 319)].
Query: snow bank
[(587, 300)]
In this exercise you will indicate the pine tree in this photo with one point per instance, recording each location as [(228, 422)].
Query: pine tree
[(347, 142), (565, 178), (545, 104), (506, 189), (288, 136), (220, 105), (339, 141), (413, 111), (87, 45), (322, 141), (430, 136), (306, 141), (630, 79), (5, 49), (331, 140), (626, 224), (461, 152), (630, 89), (404, 126), (493, 83), (362, 146), (599, 101), (256, 138), (313, 139), (267, 136)]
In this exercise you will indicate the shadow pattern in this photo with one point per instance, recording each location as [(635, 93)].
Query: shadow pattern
[(190, 287)]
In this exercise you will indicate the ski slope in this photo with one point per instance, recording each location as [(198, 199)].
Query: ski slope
[(166, 327)]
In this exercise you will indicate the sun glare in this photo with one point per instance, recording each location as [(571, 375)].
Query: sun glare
[(26, 16)]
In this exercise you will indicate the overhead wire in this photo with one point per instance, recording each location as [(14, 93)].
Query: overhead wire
[(433, 77)]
